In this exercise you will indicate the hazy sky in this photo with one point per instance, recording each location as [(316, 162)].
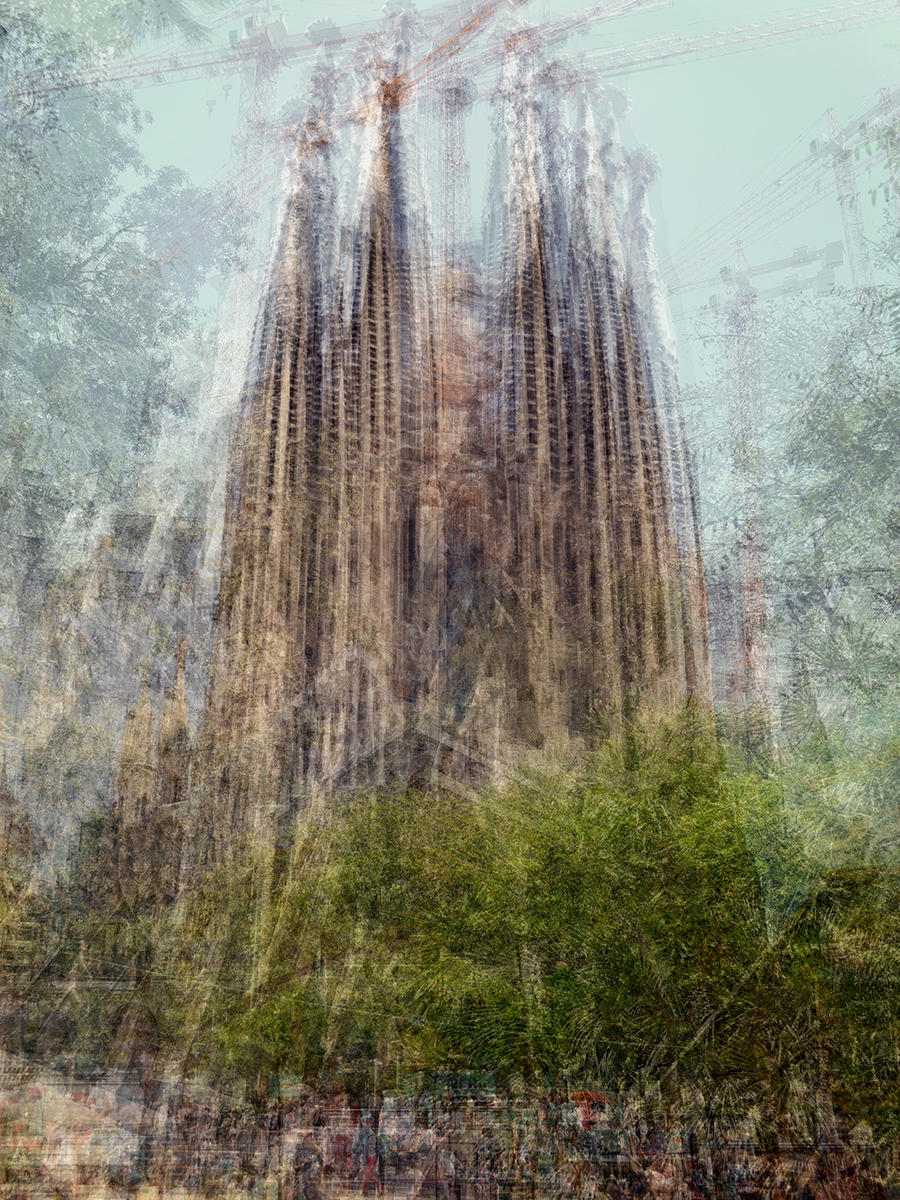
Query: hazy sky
[(719, 127)]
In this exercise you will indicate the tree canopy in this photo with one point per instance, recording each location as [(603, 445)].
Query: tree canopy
[(609, 920)]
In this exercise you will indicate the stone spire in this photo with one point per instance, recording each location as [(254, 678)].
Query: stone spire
[(661, 375), (327, 594), (429, 568)]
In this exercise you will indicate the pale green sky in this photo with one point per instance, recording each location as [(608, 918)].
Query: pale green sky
[(718, 126)]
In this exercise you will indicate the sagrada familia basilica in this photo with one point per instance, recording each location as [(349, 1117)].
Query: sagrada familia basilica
[(460, 520)]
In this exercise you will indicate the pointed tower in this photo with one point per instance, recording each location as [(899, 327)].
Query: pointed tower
[(605, 600), (504, 640), (661, 377), (332, 572), (449, 536), (389, 390), (267, 630), (382, 425), (633, 586)]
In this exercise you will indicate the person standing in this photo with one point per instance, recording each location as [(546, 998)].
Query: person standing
[(365, 1155)]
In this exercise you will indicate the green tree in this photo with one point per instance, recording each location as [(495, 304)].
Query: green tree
[(825, 385), (105, 26), (651, 910), (839, 547), (97, 301)]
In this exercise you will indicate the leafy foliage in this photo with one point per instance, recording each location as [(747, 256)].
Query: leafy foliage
[(652, 910), (116, 26), (98, 300), (826, 384)]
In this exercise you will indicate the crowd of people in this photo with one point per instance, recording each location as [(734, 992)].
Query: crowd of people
[(107, 1140)]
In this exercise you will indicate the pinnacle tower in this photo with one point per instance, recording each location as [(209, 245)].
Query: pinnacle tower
[(449, 535)]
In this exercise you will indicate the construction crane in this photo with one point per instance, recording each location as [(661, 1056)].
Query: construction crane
[(667, 51), (791, 193), (829, 257), (257, 36), (884, 127), (675, 49), (267, 48), (749, 682), (838, 150), (607, 63)]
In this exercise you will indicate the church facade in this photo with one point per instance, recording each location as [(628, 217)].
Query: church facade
[(461, 521)]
